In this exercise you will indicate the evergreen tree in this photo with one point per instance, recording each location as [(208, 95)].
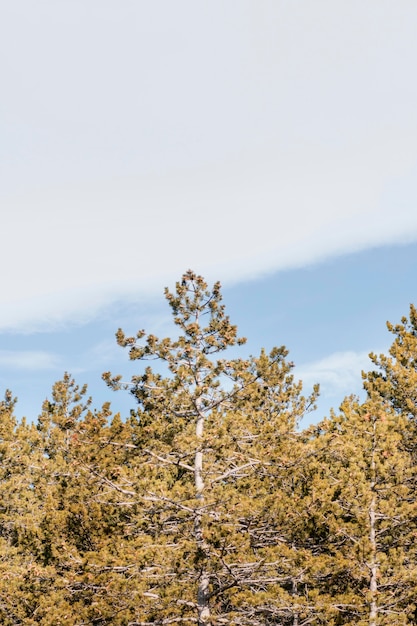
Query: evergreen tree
[(20, 515), (395, 380), (77, 574), (215, 444), (365, 514)]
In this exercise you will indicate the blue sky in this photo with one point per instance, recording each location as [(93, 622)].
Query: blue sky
[(269, 144), (329, 315)]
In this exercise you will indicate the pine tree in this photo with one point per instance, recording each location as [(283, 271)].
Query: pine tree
[(77, 577), (396, 378), (214, 445), (20, 515), (365, 514)]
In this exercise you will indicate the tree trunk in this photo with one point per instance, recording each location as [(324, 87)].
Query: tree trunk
[(203, 607), (373, 586)]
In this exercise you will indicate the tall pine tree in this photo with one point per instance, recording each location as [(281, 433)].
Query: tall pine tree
[(216, 443)]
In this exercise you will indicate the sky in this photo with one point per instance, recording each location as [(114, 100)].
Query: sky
[(268, 144)]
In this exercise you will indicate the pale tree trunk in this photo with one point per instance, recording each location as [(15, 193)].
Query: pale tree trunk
[(203, 607), (373, 586), (373, 564)]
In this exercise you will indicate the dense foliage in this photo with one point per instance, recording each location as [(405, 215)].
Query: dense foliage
[(208, 504)]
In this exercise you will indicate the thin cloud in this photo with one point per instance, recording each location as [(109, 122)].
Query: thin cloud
[(28, 360), (338, 373)]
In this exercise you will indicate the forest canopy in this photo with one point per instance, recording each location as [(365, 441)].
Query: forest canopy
[(209, 504)]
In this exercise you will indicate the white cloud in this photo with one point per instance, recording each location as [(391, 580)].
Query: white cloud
[(338, 374), (292, 140), (28, 360)]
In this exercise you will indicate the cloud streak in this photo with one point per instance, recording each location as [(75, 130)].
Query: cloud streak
[(28, 360), (338, 374)]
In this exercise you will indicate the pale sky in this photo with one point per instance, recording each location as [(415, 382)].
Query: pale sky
[(239, 138)]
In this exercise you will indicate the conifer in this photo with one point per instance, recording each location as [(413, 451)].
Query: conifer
[(365, 514), (215, 442)]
